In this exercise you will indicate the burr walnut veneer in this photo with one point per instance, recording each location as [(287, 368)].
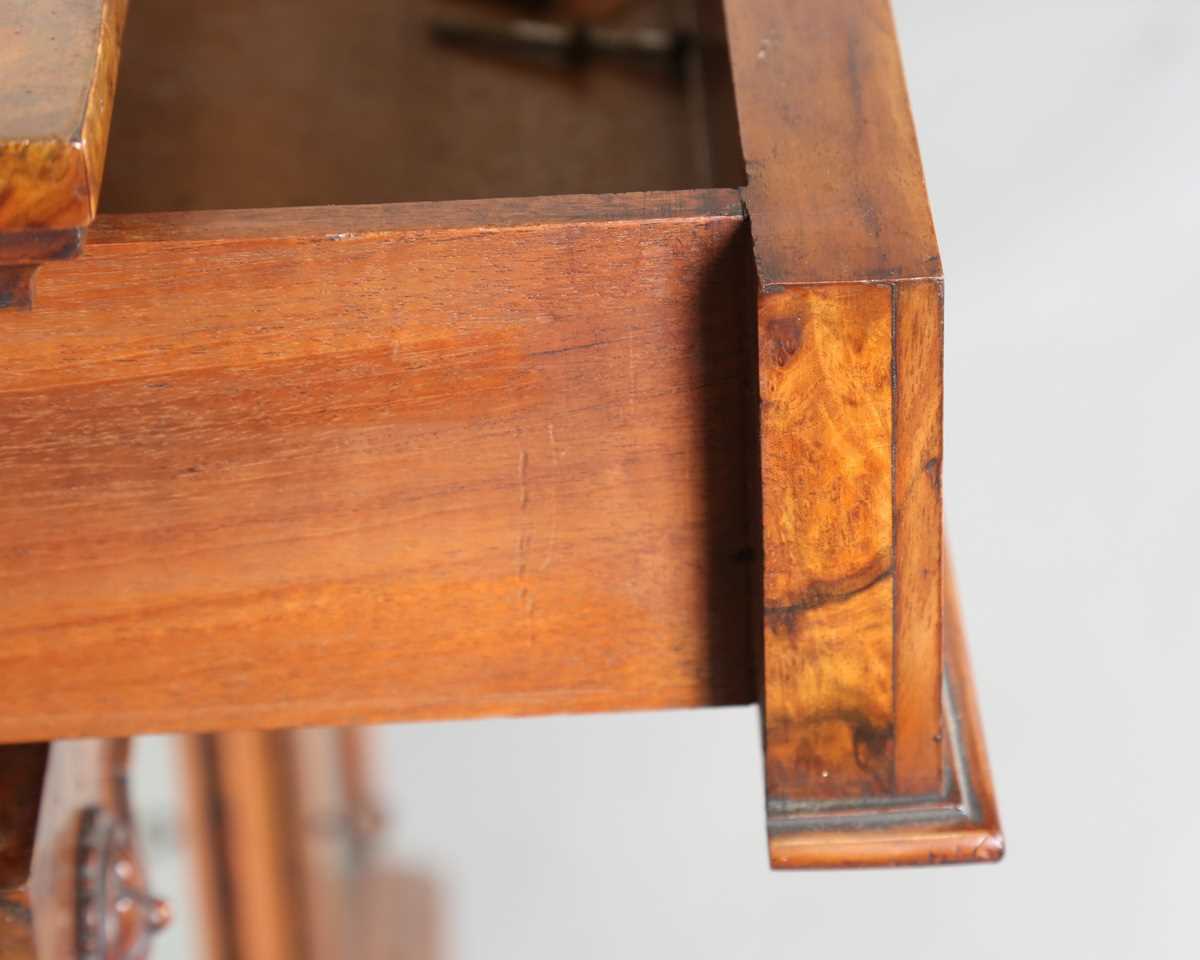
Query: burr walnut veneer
[(272, 455)]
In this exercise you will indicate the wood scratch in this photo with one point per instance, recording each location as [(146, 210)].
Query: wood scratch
[(524, 542), (524, 594), (556, 459)]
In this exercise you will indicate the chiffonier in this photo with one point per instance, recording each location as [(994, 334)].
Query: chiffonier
[(402, 359)]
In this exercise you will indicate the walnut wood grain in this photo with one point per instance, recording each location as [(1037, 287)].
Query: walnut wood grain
[(959, 824), (58, 72), (378, 464), (850, 385), (825, 383)]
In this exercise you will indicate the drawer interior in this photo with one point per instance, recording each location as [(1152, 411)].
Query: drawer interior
[(228, 104)]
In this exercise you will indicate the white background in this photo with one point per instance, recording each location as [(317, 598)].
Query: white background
[(1061, 146)]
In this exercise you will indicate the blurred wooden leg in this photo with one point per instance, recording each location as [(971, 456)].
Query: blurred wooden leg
[(281, 825)]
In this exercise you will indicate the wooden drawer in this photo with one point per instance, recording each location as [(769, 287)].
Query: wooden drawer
[(306, 426)]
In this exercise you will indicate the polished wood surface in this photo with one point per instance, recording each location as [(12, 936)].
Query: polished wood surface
[(58, 71), (959, 825), (376, 464), (850, 386), (835, 186), (825, 383)]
